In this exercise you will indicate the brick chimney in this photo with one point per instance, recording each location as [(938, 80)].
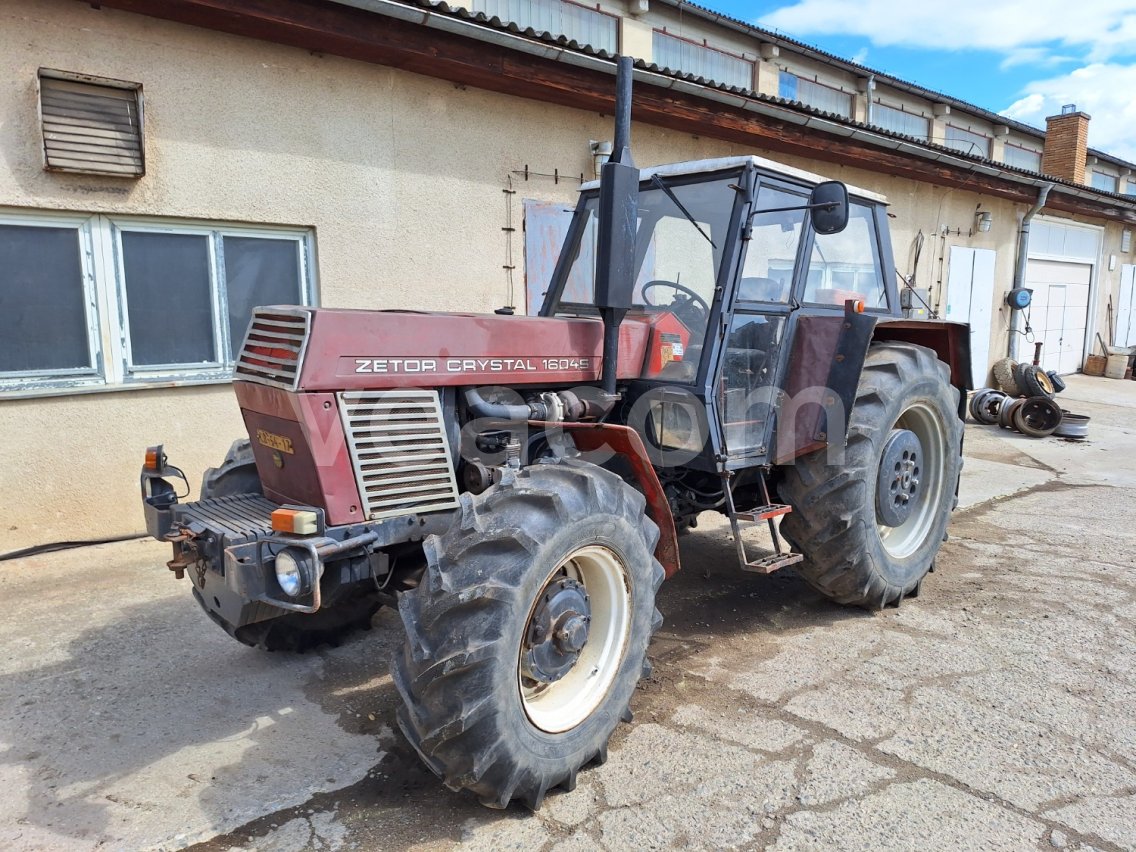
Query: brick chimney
[(1066, 144)]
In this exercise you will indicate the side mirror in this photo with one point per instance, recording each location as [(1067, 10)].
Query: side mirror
[(829, 205)]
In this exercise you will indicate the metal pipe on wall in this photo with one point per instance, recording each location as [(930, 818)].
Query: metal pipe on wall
[(1023, 257)]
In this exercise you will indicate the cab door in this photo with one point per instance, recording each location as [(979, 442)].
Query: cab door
[(757, 333)]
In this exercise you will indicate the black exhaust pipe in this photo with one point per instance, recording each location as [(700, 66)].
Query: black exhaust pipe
[(618, 218)]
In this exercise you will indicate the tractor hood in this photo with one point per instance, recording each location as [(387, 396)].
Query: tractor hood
[(321, 349)]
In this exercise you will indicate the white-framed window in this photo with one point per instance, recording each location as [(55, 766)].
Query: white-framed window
[(100, 301), (1104, 181), (710, 63), (899, 120), (967, 141), (1022, 157), (793, 87)]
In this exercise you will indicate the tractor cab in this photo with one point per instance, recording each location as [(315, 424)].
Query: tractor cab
[(730, 256)]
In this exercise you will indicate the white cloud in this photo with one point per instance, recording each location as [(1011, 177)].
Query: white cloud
[(1106, 91), (1105, 28)]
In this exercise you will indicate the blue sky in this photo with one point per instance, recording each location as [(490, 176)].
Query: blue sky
[(1022, 58)]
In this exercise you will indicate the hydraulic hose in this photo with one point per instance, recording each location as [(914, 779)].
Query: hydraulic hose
[(503, 411)]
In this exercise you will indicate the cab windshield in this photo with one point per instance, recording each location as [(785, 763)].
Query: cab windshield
[(676, 260)]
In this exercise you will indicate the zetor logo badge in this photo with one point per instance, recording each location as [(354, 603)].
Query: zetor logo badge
[(275, 442)]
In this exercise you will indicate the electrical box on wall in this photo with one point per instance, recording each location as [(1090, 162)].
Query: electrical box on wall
[(915, 303)]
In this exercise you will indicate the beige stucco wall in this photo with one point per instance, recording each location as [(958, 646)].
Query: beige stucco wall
[(401, 176)]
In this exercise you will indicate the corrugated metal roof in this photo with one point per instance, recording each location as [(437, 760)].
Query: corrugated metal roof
[(443, 7)]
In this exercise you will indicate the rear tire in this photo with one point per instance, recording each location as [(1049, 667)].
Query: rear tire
[(471, 710), (852, 554)]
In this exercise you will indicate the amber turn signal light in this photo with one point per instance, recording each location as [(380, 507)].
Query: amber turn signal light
[(295, 521), (155, 459)]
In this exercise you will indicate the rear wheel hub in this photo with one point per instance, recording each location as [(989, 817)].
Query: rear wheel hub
[(898, 486)]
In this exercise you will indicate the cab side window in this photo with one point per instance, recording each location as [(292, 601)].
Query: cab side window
[(847, 265), (771, 255)]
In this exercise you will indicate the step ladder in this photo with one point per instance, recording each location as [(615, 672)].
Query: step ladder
[(769, 512)]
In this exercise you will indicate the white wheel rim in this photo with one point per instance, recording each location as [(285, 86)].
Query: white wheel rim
[(562, 705), (900, 542)]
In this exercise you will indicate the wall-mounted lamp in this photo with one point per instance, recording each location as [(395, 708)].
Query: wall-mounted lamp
[(601, 153), (1126, 241), (983, 220)]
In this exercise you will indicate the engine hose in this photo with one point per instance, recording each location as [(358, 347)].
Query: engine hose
[(504, 411)]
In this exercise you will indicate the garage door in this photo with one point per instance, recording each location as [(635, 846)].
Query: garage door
[(1059, 314)]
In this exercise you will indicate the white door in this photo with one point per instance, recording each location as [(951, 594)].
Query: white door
[(1125, 315), (1059, 312), (970, 299)]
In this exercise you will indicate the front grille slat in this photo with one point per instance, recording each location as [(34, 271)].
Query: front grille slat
[(399, 451), (273, 350)]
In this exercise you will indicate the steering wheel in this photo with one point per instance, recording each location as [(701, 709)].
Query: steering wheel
[(686, 291), (690, 308)]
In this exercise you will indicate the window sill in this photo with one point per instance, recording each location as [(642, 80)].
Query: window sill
[(79, 388)]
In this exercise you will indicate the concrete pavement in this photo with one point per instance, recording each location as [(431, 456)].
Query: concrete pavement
[(996, 711)]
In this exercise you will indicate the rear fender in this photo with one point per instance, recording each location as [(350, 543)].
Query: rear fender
[(625, 442), (950, 340)]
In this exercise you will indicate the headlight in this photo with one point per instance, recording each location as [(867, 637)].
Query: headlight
[(292, 574)]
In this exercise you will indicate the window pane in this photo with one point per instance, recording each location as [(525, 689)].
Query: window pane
[(825, 98), (787, 86), (846, 266), (586, 26), (747, 376), (42, 300), (967, 141), (1103, 181), (680, 55), (1023, 158), (900, 121), (259, 272), (767, 275), (168, 294)]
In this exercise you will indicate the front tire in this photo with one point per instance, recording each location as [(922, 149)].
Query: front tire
[(871, 528), (492, 704)]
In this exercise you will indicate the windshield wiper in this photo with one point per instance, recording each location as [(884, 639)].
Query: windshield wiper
[(658, 181)]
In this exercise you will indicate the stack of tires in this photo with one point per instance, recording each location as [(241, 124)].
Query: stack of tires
[(1023, 400)]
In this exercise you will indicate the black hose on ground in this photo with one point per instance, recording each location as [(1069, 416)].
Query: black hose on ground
[(54, 546)]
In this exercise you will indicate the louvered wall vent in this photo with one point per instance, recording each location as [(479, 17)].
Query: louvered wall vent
[(91, 124)]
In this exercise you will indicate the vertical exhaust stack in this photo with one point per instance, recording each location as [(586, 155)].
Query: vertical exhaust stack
[(618, 218)]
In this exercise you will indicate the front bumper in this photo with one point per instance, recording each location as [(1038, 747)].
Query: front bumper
[(228, 548)]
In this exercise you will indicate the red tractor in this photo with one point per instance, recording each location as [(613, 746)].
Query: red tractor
[(720, 335)]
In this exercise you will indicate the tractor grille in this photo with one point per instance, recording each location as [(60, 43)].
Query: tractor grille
[(273, 351), (399, 449)]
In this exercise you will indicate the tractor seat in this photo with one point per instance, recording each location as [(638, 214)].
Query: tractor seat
[(762, 290)]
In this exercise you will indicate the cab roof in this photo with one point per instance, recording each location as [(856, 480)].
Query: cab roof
[(719, 164)]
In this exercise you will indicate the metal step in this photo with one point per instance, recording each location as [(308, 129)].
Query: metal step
[(765, 513), (771, 563)]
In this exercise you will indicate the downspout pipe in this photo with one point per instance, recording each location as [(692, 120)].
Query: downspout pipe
[(1023, 257)]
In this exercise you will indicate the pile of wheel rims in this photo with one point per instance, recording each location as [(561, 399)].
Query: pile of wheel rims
[(1024, 403), (1035, 416)]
